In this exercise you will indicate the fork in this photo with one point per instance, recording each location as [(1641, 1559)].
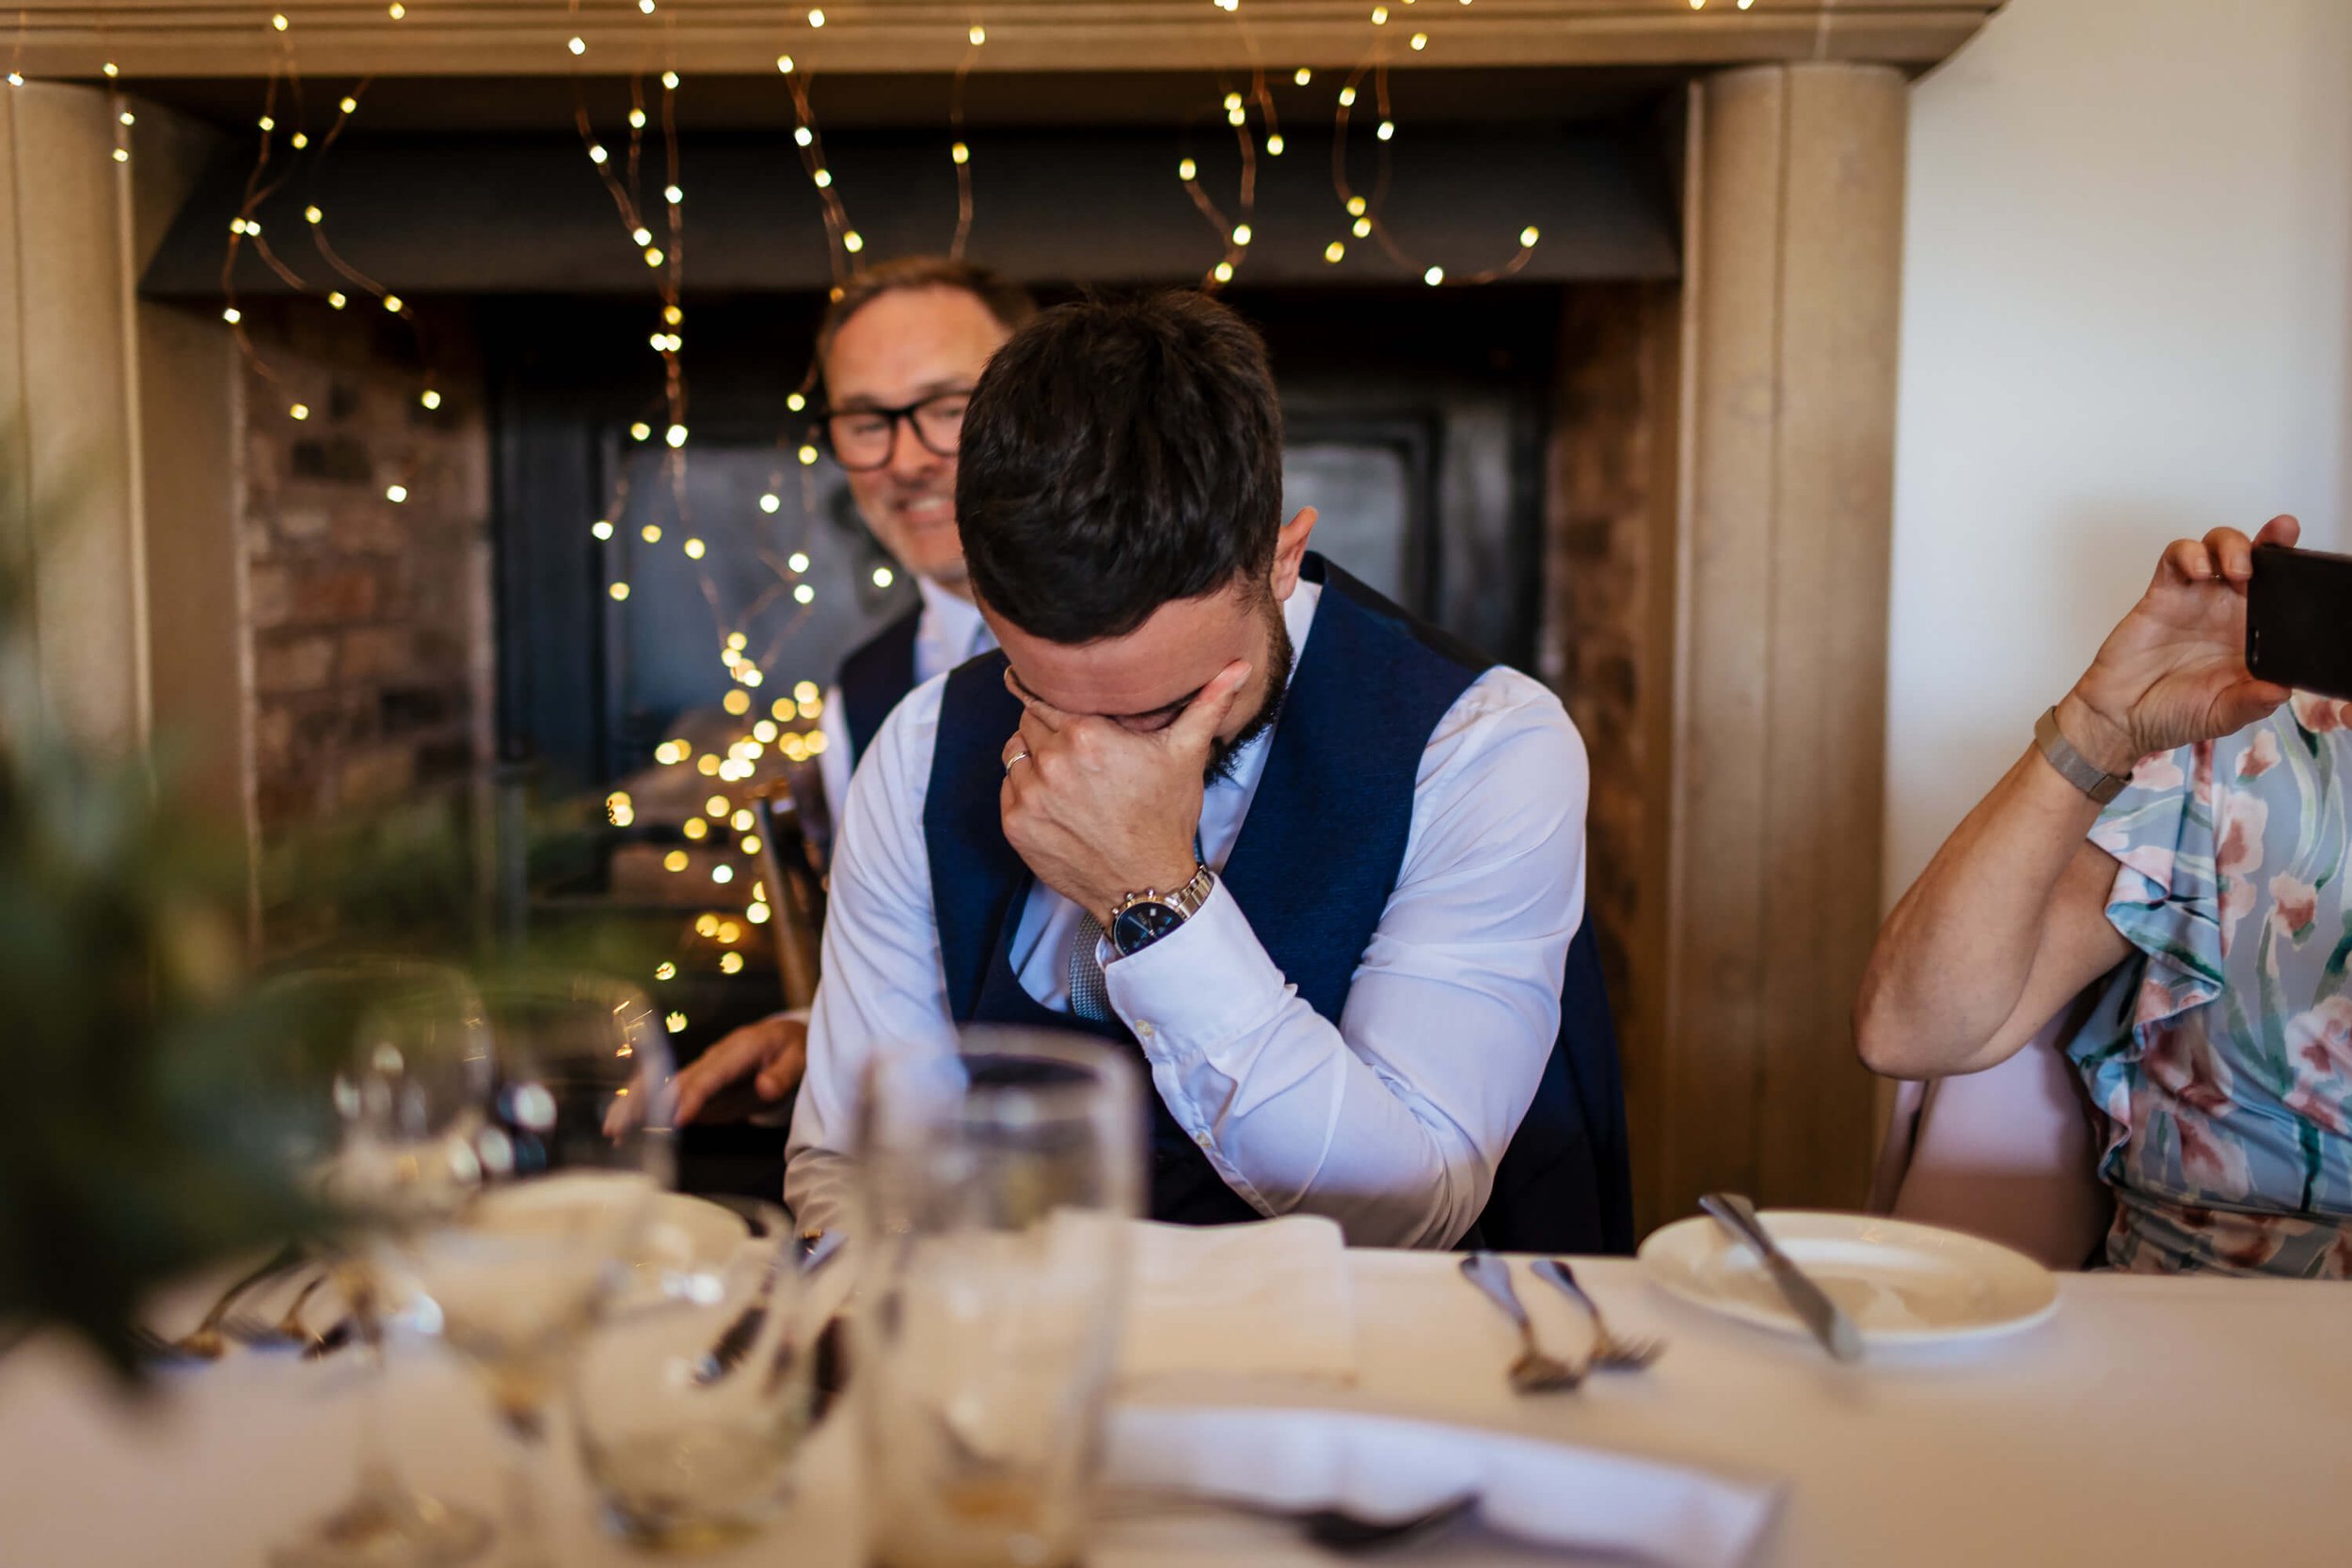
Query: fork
[(1534, 1372), (1610, 1352), (289, 1329), (206, 1342)]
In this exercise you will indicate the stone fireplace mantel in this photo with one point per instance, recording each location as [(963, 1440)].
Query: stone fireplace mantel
[(531, 36)]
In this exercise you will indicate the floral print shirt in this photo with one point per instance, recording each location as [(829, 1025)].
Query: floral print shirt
[(2220, 1055)]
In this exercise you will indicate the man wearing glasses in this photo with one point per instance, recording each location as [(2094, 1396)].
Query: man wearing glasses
[(899, 351)]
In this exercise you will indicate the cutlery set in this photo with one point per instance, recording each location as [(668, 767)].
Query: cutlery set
[(1536, 1372)]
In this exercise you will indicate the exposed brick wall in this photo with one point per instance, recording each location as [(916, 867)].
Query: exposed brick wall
[(1603, 647), (369, 619)]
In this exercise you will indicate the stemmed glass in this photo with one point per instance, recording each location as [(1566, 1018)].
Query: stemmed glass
[(575, 1150), (384, 1065)]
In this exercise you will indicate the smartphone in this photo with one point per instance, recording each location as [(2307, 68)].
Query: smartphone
[(2298, 620)]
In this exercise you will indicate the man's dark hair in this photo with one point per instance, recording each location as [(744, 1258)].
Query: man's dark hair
[(1118, 455), (1005, 300)]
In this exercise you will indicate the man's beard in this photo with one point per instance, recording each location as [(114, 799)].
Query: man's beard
[(1222, 753)]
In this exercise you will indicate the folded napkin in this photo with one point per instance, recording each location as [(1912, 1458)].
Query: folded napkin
[(1270, 1297), (1391, 1467)]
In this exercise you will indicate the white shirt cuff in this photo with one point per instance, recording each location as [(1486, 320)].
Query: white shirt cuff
[(1204, 984)]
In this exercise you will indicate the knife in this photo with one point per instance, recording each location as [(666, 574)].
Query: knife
[(1831, 1326)]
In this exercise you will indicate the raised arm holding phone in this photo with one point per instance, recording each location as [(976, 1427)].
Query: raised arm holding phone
[(2176, 835)]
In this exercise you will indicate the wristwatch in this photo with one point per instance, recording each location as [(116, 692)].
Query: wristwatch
[(2075, 768), (1143, 918)]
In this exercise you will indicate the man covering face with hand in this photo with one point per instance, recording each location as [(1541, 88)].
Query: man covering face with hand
[(1215, 800)]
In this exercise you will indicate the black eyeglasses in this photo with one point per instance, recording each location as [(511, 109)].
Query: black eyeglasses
[(864, 438)]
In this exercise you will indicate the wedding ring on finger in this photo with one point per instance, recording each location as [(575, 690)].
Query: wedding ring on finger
[(1022, 756)]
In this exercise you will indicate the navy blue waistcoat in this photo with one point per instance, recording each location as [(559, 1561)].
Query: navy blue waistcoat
[(1317, 858), (876, 676)]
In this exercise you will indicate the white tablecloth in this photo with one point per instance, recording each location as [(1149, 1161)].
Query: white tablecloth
[(2151, 1422)]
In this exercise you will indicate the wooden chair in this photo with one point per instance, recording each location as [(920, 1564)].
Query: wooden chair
[(2010, 1153)]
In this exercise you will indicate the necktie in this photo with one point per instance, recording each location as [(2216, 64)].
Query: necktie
[(1089, 997)]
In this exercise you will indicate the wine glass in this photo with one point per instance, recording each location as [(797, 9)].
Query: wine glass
[(516, 1275), (390, 1061)]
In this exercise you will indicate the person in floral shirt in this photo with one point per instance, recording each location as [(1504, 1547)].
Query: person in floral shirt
[(2205, 910)]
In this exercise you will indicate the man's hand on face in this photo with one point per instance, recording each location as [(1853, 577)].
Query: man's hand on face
[(2173, 671), (1098, 811)]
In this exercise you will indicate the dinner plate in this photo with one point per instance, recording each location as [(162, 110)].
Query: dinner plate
[(685, 1232), (1900, 1283)]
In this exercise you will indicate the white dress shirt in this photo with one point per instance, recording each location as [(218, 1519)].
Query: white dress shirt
[(948, 631), (1389, 1122)]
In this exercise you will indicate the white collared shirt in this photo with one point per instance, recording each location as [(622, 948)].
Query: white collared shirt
[(1390, 1121), (949, 631)]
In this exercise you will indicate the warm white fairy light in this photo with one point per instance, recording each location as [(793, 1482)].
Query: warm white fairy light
[(298, 141), (807, 694), (267, 122), (1188, 170), (675, 1023), (1333, 251), (676, 860), (665, 970), (797, 562), (577, 45), (16, 78), (598, 156), (1420, 41), (313, 214), (122, 154), (639, 431), (396, 493), (233, 315), (805, 595), (1379, 16), (1361, 227), (694, 826), (816, 18), (1434, 276), (1274, 145), (1302, 75), (430, 398), (823, 178), (653, 256), (279, 22), (299, 411), (1223, 271), (854, 242), (670, 79), (111, 70), (693, 550), (807, 455), (673, 194), (770, 502), (1347, 97), (675, 435), (960, 153), (650, 533), (349, 105), (978, 34), (783, 65), (730, 963), (337, 299), (619, 590), (1529, 236), (392, 304), (126, 117), (1387, 131), (757, 913), (396, 9)]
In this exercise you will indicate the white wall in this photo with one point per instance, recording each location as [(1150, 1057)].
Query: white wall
[(2128, 316)]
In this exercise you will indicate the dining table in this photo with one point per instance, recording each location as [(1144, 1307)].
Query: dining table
[(2147, 1421)]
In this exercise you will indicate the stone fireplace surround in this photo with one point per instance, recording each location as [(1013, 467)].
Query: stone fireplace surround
[(1717, 517)]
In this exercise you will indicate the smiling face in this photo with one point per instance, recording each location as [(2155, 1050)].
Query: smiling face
[(901, 347)]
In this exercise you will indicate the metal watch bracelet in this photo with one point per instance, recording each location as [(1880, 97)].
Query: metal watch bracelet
[(2075, 768)]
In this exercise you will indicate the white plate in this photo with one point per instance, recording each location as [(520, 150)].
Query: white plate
[(1900, 1283), (687, 1232)]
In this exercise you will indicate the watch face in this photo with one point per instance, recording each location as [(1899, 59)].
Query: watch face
[(1139, 925)]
